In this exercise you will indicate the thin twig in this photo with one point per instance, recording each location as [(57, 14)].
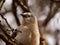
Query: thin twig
[(6, 40), (6, 21), (3, 29)]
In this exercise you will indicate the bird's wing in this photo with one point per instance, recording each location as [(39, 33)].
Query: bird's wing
[(24, 36)]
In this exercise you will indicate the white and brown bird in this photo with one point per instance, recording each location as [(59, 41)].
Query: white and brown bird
[(30, 32)]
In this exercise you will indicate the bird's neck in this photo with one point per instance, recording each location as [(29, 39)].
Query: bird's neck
[(25, 22), (35, 20)]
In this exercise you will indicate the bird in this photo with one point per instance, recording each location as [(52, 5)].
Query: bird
[(30, 33)]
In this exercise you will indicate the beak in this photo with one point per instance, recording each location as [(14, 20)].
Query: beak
[(23, 15)]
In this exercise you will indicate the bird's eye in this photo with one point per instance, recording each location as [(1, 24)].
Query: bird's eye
[(24, 16), (28, 16)]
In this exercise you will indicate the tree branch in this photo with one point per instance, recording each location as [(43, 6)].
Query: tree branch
[(6, 36), (23, 4), (15, 12), (2, 4), (51, 14)]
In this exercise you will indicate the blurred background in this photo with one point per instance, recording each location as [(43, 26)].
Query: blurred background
[(40, 8)]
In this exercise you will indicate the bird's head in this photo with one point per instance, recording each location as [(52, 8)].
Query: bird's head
[(28, 17)]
